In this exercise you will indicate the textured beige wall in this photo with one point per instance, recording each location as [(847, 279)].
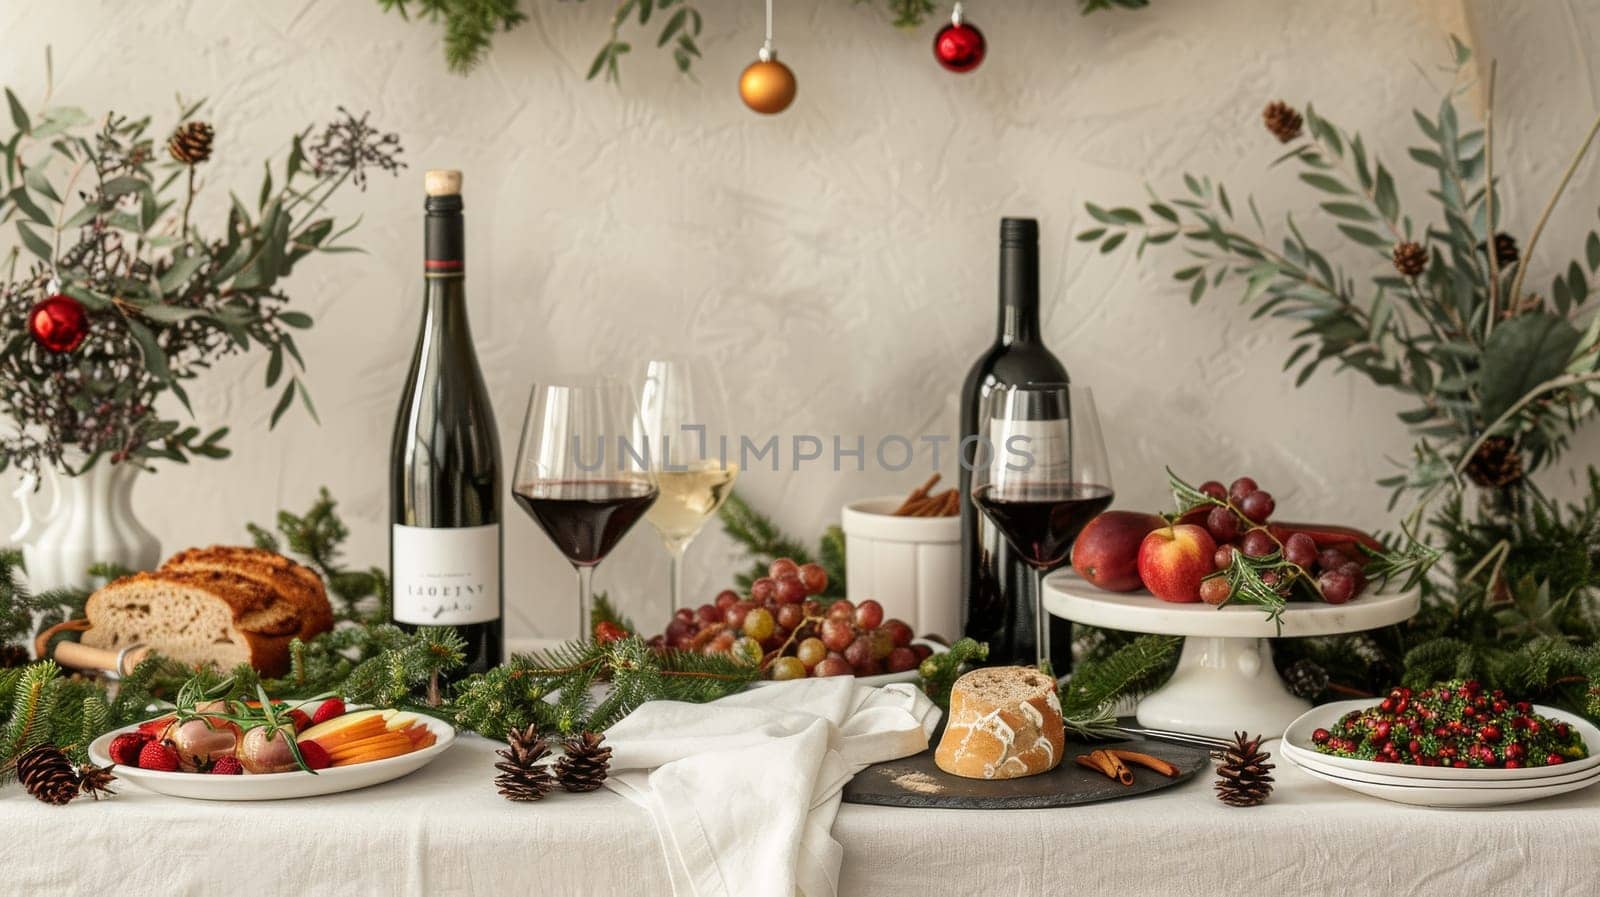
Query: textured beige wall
[(838, 258)]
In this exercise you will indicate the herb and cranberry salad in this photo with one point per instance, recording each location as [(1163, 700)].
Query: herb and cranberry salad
[(1456, 724)]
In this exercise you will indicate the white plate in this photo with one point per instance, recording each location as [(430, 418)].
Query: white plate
[(1313, 763), (884, 678), (280, 785), (1297, 745), (1475, 795)]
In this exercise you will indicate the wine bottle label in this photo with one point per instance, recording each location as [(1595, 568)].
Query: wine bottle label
[(447, 576), (1031, 451)]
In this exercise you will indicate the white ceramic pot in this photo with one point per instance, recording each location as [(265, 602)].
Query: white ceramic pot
[(910, 565), (85, 519)]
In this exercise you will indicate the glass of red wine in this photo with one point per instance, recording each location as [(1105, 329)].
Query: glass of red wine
[(1040, 475), (580, 476)]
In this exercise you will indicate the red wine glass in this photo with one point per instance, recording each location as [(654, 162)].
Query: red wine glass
[(580, 476), (1040, 475)]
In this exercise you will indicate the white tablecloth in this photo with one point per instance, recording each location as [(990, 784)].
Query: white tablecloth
[(444, 831)]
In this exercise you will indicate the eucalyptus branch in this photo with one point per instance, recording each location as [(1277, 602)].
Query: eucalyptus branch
[(1544, 217), (1488, 199)]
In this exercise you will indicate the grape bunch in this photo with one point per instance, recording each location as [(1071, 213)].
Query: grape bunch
[(1237, 519), (791, 633)]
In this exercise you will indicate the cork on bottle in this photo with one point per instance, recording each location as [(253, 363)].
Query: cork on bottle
[(442, 182)]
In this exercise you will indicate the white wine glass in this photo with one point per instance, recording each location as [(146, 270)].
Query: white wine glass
[(682, 415)]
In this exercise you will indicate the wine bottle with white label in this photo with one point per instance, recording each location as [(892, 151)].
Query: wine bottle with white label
[(444, 479)]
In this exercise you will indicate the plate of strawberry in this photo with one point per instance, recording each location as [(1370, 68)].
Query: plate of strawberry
[(271, 750)]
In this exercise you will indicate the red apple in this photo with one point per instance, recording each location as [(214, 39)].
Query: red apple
[(1173, 560), (1106, 553)]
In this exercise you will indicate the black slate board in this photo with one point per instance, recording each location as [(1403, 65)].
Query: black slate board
[(918, 782)]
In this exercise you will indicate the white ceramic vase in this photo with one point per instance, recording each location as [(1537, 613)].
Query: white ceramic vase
[(73, 522)]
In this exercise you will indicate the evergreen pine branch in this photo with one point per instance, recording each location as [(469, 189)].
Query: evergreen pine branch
[(764, 541), (33, 701), (830, 554), (469, 25), (603, 611), (940, 671), (1132, 669)]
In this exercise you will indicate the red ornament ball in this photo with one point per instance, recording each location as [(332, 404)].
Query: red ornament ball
[(959, 47), (58, 323)]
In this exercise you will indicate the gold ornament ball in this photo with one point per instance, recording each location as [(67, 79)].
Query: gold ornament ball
[(767, 86)]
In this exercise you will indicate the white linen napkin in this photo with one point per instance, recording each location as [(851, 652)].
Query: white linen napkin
[(743, 791)]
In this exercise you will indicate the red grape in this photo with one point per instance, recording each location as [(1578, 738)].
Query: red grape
[(1357, 574), (1214, 489), (899, 632), (787, 668), (1214, 590), (923, 652), (707, 614), (1223, 524), (678, 629), (837, 634), (1300, 549), (1240, 488), (841, 610), (1223, 557), (1337, 586), (1257, 544), (782, 567), (734, 616), (902, 659), (789, 616), (791, 590), (763, 588), (870, 668), (686, 614), (758, 624), (832, 666), (859, 651), (811, 652), (726, 599), (869, 614), (1258, 506), (812, 607), (814, 578), (721, 643), (1332, 559)]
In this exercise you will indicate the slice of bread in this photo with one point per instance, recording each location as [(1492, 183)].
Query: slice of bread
[(299, 585), (197, 618), (1005, 723)]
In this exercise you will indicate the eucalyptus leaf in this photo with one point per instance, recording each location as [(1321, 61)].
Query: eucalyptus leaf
[(35, 243), (1521, 354)]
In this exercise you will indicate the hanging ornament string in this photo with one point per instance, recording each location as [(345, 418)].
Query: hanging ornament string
[(959, 46), (767, 85)]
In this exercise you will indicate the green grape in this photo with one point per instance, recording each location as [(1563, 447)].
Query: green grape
[(758, 623), (788, 668), (748, 650), (811, 652)]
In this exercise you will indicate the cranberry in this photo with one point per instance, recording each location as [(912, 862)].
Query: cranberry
[(1553, 759), (1380, 732), (1321, 736)]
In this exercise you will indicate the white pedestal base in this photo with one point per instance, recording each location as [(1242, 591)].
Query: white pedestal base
[(1223, 685)]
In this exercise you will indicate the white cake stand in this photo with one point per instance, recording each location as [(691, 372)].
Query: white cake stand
[(1225, 681)]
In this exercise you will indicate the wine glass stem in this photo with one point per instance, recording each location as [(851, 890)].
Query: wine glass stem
[(1041, 622), (675, 552), (585, 574)]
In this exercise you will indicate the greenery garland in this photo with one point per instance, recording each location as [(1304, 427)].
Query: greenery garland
[(471, 25)]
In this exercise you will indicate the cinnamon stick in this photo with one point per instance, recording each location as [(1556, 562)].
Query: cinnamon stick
[(917, 495), (1147, 761), (1116, 768), (1084, 761)]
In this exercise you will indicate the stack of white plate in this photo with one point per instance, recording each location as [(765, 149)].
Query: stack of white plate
[(1438, 786)]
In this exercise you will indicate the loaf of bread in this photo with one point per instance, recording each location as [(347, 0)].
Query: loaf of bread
[(218, 605), (1005, 723)]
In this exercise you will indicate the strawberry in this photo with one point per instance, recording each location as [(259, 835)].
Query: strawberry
[(159, 756), (302, 721), (227, 765), (330, 708), (315, 755), (125, 748)]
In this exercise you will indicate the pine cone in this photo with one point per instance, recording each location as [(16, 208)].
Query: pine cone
[(1243, 778), (95, 780), (522, 775), (13, 656), (584, 766), (48, 775), (1410, 259), (1505, 250), (1306, 678), (1282, 120), (1496, 464), (191, 142)]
